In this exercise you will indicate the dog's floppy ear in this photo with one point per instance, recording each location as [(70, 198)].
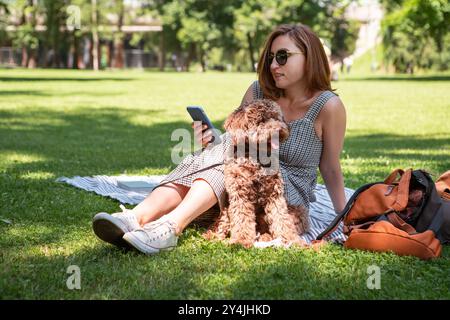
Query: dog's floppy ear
[(275, 126), (277, 122)]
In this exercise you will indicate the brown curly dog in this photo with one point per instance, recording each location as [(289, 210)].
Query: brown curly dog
[(255, 202)]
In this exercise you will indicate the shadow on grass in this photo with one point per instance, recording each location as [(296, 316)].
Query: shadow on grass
[(23, 93), (105, 141), (337, 273), (91, 141), (47, 79), (403, 149), (41, 93), (400, 78)]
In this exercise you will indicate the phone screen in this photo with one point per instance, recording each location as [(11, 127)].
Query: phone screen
[(198, 114)]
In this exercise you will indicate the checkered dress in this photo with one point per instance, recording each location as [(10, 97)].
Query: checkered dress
[(299, 158)]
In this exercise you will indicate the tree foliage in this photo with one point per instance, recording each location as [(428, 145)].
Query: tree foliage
[(415, 34), (208, 32)]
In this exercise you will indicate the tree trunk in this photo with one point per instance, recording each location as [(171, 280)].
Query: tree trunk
[(75, 51), (94, 36), (162, 52), (118, 54), (109, 54), (202, 60), (440, 45), (32, 61), (24, 62), (190, 56), (90, 53), (118, 41), (250, 49)]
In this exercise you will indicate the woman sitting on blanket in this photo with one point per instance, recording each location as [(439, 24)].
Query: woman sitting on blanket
[(293, 71)]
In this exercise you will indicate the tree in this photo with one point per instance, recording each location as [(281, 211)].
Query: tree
[(26, 37), (53, 40), (344, 32), (4, 12), (119, 53), (253, 22), (411, 28), (95, 40)]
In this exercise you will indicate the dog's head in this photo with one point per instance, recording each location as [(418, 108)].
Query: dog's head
[(257, 121)]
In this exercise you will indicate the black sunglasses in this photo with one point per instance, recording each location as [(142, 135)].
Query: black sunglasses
[(280, 56)]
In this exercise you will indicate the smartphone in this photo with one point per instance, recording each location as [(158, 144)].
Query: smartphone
[(198, 114)]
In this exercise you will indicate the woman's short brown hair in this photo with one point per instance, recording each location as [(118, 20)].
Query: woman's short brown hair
[(317, 69)]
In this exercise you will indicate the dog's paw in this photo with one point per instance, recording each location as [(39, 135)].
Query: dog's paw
[(243, 242), (266, 237), (300, 243), (295, 241), (210, 235)]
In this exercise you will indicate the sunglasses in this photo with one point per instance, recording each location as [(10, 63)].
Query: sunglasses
[(280, 56)]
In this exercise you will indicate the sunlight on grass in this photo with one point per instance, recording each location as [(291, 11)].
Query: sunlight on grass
[(10, 158), (38, 175)]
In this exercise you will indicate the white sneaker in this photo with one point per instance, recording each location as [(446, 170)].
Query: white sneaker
[(112, 227), (154, 237)]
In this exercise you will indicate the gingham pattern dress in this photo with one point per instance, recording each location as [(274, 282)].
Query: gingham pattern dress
[(299, 160)]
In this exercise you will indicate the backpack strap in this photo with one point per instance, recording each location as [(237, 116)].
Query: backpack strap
[(393, 176), (441, 223), (398, 222), (335, 223), (436, 223), (403, 188)]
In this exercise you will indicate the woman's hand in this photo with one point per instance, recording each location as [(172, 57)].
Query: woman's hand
[(202, 136)]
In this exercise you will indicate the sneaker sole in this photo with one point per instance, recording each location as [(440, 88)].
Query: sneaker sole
[(110, 229), (137, 244)]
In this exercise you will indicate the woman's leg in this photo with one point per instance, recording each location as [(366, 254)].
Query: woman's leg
[(164, 235), (160, 201), (112, 228), (198, 199)]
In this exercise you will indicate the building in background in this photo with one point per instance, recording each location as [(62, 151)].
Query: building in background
[(369, 13)]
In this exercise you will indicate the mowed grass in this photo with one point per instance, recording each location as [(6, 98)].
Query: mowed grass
[(64, 123)]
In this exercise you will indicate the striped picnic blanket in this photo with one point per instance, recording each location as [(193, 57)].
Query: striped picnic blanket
[(321, 211)]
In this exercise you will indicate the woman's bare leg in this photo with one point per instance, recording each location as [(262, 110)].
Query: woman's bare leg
[(160, 201), (199, 198)]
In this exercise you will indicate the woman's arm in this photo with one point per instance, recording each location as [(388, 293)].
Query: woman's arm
[(333, 132)]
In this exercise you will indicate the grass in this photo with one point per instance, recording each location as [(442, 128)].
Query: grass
[(63, 123)]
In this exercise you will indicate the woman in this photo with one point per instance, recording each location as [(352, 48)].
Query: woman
[(294, 72)]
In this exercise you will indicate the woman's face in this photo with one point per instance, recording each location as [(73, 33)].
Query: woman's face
[(292, 72)]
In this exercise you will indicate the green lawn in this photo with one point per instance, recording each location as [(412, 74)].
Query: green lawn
[(64, 123)]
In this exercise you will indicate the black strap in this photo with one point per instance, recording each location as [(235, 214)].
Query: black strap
[(333, 225), (436, 223)]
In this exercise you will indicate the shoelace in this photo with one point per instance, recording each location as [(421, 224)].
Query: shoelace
[(151, 225), (129, 217), (155, 235)]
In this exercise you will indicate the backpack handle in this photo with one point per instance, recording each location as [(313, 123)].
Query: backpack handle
[(393, 176), (400, 223), (403, 187)]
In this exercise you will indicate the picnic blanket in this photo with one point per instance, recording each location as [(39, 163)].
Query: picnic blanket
[(321, 211)]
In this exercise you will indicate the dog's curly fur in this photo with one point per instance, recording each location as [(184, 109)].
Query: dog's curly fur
[(255, 201)]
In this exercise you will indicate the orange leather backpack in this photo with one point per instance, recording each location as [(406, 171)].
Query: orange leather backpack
[(407, 214)]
